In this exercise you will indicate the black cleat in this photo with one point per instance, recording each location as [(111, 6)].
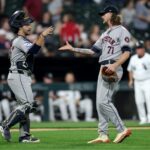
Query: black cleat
[(5, 133), (28, 139)]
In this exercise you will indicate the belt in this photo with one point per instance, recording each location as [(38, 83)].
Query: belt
[(20, 72), (105, 62)]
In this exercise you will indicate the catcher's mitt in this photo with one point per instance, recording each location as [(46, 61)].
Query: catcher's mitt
[(109, 77)]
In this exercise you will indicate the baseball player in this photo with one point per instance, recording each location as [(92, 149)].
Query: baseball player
[(113, 47), (139, 73), (19, 78), (5, 98)]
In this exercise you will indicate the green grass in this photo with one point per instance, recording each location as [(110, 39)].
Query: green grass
[(61, 124), (77, 140)]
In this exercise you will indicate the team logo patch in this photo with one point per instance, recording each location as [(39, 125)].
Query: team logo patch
[(127, 39)]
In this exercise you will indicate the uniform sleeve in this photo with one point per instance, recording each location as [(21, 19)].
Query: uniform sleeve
[(97, 47), (139, 10), (125, 39), (25, 45)]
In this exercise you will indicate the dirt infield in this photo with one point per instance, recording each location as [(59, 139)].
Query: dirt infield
[(77, 129)]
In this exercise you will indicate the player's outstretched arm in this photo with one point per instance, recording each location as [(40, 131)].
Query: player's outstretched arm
[(69, 47), (40, 39)]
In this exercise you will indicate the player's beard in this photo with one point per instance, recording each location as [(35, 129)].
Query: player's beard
[(28, 32), (105, 22)]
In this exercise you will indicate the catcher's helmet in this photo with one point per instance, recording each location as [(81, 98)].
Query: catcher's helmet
[(107, 9), (18, 19)]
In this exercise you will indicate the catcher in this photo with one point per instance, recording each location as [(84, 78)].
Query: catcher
[(113, 45), (19, 78)]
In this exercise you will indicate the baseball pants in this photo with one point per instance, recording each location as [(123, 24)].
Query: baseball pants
[(105, 108)]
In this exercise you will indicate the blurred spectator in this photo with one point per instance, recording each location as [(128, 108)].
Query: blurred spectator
[(71, 98), (83, 37), (68, 5), (73, 101), (70, 30), (2, 3), (128, 14), (83, 40), (48, 78), (94, 34), (45, 5), (4, 43), (119, 3), (46, 20), (54, 100), (148, 4), (5, 26), (33, 8), (55, 8), (49, 12), (142, 20), (10, 6), (58, 26), (5, 96), (84, 105), (57, 102)]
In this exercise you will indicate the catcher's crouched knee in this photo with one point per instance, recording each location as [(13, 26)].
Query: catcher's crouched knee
[(109, 77)]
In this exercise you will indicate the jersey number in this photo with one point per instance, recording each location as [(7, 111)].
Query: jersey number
[(110, 50)]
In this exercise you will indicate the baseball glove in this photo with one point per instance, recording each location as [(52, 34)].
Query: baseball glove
[(109, 77)]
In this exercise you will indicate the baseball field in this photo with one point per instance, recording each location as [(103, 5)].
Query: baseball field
[(74, 136)]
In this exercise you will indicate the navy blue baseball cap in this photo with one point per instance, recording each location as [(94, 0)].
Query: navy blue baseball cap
[(139, 44), (112, 9)]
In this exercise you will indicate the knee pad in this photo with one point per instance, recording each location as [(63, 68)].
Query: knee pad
[(29, 107), (26, 108), (34, 106)]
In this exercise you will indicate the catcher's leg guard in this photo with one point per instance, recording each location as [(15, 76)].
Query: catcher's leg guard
[(24, 126), (15, 117)]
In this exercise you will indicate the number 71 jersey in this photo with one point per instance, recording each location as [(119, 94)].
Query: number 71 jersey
[(112, 41)]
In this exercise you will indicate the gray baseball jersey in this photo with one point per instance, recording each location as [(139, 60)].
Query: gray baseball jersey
[(19, 57), (111, 42)]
